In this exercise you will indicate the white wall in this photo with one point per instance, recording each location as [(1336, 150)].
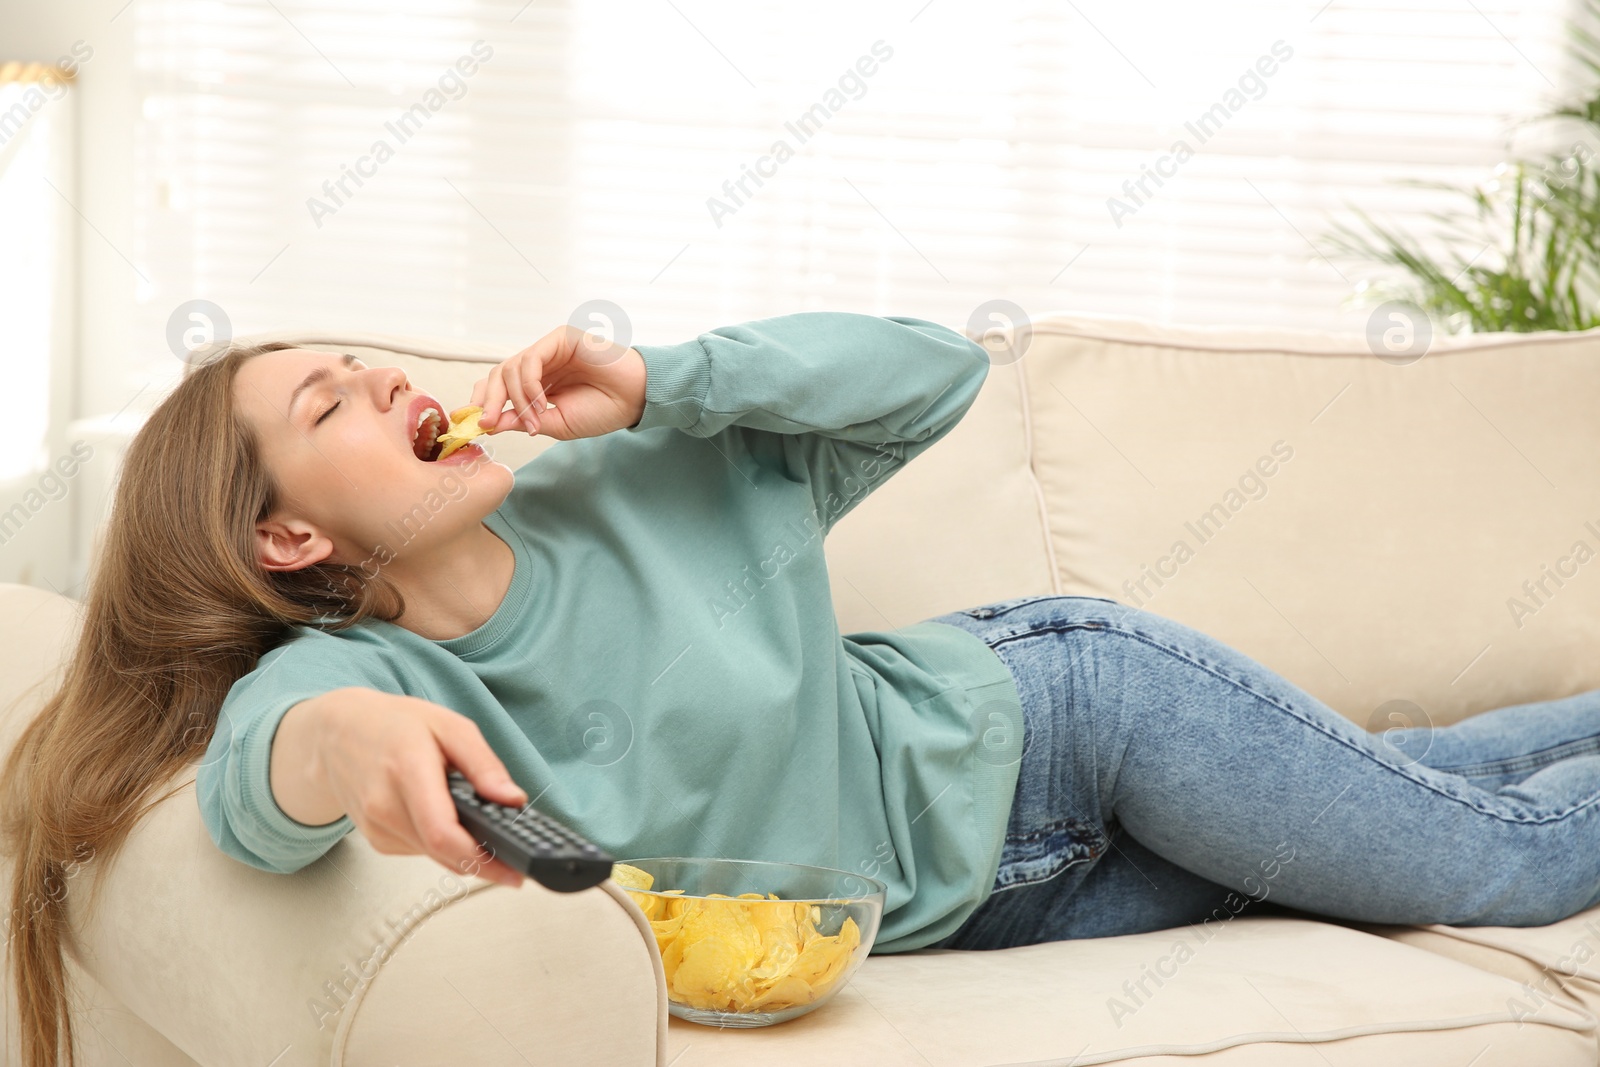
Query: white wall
[(52, 549)]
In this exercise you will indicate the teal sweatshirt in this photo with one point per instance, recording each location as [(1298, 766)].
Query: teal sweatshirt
[(666, 674)]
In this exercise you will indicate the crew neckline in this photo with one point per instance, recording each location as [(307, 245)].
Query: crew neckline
[(512, 606)]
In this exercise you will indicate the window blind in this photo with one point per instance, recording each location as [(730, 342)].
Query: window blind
[(939, 155)]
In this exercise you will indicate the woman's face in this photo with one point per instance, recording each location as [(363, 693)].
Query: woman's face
[(338, 439)]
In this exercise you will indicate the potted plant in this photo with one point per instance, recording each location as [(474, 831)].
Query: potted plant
[(1519, 252)]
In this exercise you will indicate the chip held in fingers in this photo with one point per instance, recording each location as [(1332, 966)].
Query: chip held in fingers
[(463, 428)]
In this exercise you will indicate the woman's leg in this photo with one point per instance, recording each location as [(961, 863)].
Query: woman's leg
[(1500, 747), (1127, 890), (1229, 772)]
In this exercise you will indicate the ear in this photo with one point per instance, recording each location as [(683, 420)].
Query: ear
[(290, 546)]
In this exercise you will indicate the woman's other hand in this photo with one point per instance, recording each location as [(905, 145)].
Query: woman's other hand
[(382, 759), (595, 385)]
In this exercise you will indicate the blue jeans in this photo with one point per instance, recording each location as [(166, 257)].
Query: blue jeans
[(1166, 778)]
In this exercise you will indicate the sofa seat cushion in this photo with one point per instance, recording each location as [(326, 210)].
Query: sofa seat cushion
[(1251, 990), (1560, 961)]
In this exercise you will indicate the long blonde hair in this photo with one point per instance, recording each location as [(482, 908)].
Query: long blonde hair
[(177, 609)]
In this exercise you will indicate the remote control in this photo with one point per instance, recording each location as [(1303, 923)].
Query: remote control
[(530, 841)]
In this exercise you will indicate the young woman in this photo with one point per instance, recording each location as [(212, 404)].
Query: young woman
[(634, 632)]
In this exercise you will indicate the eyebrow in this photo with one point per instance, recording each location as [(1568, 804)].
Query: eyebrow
[(320, 374)]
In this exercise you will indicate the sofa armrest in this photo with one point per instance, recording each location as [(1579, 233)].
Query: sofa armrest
[(359, 959), (362, 958)]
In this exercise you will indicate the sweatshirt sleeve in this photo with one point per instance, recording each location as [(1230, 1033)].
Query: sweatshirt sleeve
[(855, 397), (233, 781)]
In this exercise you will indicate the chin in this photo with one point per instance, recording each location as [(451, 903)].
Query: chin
[(488, 483), (449, 496)]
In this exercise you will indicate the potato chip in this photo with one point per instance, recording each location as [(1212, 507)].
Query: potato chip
[(707, 973), (463, 428), (671, 956), (666, 930), (630, 877), (785, 993), (749, 953)]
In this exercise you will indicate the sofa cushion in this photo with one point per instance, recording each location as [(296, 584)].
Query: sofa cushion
[(1264, 990), (1364, 528), (1559, 961)]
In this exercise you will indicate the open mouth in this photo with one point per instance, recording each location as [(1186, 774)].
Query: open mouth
[(430, 424)]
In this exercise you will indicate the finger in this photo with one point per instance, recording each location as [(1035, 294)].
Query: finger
[(497, 871), (389, 832), (383, 839), (439, 831), (463, 744), (532, 382), (518, 397), (486, 865), (478, 401), (464, 747), (494, 396), (405, 840), (530, 363), (538, 401)]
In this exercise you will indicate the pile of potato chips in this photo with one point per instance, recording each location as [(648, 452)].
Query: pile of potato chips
[(723, 956)]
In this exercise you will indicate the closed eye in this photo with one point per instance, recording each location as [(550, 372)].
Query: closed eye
[(325, 414)]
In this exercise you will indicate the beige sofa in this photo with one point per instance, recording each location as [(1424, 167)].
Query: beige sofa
[(1376, 565)]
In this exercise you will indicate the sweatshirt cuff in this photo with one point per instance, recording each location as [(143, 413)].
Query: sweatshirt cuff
[(256, 791), (677, 379)]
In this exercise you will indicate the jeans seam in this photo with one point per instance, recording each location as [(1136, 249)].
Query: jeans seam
[(1536, 760), (1152, 641), (1049, 828)]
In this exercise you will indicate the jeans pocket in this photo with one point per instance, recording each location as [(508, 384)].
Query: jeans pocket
[(1044, 851)]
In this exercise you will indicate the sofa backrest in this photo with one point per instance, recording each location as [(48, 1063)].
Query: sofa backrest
[(1406, 540)]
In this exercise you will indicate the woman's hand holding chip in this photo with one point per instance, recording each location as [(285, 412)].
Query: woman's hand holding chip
[(567, 384)]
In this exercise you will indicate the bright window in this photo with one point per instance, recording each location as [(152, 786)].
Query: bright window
[(30, 156), (978, 158)]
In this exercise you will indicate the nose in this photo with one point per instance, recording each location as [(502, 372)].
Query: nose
[(387, 381)]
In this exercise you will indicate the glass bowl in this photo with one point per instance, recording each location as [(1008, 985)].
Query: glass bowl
[(734, 956)]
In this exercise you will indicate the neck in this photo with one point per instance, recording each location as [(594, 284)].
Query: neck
[(452, 588)]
